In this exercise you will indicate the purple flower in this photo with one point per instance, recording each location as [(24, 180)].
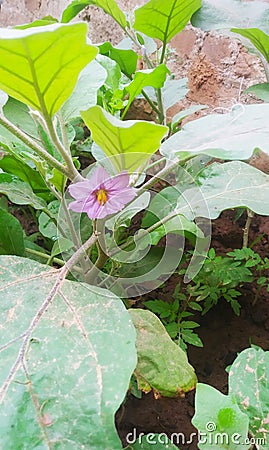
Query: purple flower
[(101, 195)]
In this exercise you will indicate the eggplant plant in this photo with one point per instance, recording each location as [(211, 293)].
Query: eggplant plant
[(68, 344)]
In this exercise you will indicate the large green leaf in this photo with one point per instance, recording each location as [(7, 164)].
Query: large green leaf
[(257, 37), (223, 186), (248, 384), (260, 90), (40, 66), (162, 364), (227, 136), (220, 15), (128, 143), (164, 19), (19, 192), (65, 364), (91, 78), (219, 420), (11, 235), (109, 6)]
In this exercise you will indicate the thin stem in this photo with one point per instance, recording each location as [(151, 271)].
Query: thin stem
[(151, 103), (73, 173), (158, 92), (91, 275), (53, 259), (161, 175), (33, 145), (163, 53), (250, 215), (63, 130), (160, 106)]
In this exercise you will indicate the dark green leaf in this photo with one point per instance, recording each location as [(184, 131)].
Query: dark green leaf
[(126, 59), (11, 235)]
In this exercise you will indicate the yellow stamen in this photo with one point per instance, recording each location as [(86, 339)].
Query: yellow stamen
[(101, 196)]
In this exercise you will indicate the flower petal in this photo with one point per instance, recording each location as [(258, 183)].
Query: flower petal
[(80, 190), (76, 206), (117, 183)]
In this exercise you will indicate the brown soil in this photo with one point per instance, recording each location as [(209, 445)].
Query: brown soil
[(224, 336)]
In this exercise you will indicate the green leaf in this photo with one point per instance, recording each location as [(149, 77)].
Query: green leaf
[(19, 114), (40, 66), (91, 78), (219, 420), (73, 10), (18, 167), (163, 20), (126, 58), (19, 192), (220, 15), (172, 92), (257, 37), (230, 185), (109, 6), (113, 72), (63, 379), (162, 365), (260, 90), (150, 77), (48, 20), (233, 135), (191, 338), (248, 384), (187, 112), (162, 204), (11, 235), (128, 143), (149, 442), (47, 226)]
